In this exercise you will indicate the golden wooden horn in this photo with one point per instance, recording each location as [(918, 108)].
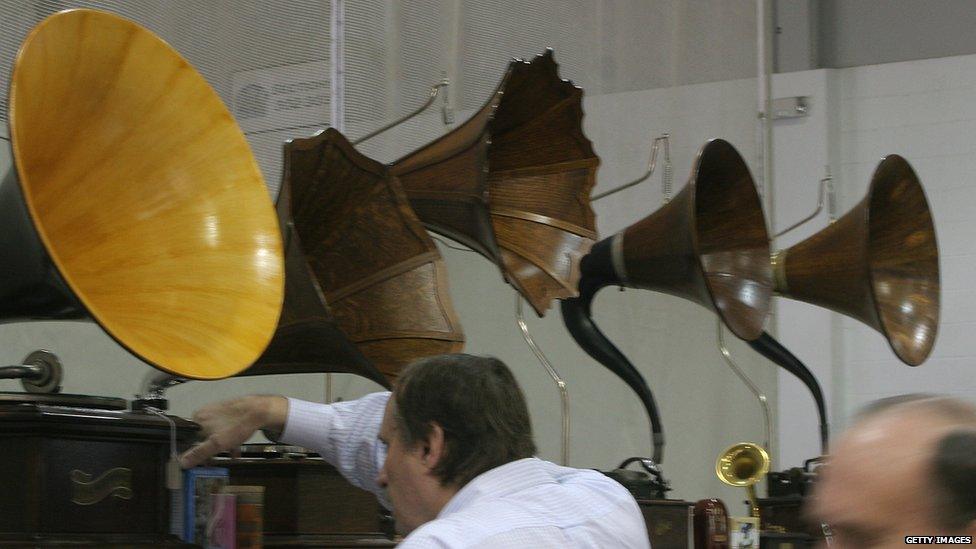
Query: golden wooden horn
[(879, 263), (135, 201), (513, 182)]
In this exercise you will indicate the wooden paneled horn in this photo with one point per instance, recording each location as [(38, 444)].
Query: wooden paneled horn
[(367, 289), (135, 201), (308, 338), (708, 245), (513, 182), (879, 263)]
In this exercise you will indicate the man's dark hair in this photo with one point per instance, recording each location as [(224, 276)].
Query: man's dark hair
[(953, 470), (477, 403)]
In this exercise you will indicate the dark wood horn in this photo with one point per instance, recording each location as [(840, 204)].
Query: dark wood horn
[(308, 338), (514, 182), (879, 263), (370, 258), (708, 245)]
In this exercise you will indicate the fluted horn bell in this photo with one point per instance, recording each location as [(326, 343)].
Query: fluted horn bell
[(136, 200), (513, 182), (879, 263)]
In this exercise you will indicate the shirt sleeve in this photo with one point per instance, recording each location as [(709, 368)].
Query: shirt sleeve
[(345, 434)]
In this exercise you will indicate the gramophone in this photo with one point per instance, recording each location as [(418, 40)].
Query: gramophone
[(134, 202), (378, 268), (513, 184), (365, 286), (366, 294), (709, 245), (879, 264)]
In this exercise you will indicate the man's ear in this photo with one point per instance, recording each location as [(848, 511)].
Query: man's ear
[(433, 448)]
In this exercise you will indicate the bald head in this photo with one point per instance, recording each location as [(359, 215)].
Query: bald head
[(888, 476)]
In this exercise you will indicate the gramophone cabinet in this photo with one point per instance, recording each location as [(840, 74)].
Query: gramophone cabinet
[(84, 475)]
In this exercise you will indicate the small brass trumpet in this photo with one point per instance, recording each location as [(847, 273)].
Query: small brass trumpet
[(743, 465)]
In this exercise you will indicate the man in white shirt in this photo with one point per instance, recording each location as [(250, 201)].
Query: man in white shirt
[(451, 452)]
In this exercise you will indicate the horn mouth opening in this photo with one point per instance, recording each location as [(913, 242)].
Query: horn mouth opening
[(732, 239), (742, 464), (903, 260), (145, 194)]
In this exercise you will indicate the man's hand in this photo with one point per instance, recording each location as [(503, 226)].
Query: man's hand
[(230, 423)]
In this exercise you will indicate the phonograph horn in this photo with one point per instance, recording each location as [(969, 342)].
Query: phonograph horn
[(366, 289), (879, 263), (135, 200), (308, 338), (743, 465), (708, 245), (513, 182)]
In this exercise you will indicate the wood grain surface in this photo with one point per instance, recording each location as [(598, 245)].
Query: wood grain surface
[(709, 244), (879, 263), (513, 182), (377, 267), (146, 194)]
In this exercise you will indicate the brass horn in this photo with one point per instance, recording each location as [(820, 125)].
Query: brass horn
[(743, 465), (879, 263), (708, 245), (135, 201)]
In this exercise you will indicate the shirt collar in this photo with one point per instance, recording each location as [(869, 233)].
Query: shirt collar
[(498, 482)]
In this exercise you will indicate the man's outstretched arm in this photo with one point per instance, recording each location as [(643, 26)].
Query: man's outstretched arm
[(228, 424), (345, 434)]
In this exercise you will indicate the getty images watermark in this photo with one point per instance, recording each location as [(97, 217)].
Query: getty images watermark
[(938, 540)]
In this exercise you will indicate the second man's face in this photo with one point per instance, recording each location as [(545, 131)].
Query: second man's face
[(403, 475)]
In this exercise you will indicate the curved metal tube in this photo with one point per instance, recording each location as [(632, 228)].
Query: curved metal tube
[(576, 317), (774, 351), (826, 190), (154, 385), (598, 271), (652, 164), (760, 396), (560, 384), (430, 101), (22, 371)]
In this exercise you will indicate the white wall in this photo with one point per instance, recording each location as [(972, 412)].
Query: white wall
[(801, 157)]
